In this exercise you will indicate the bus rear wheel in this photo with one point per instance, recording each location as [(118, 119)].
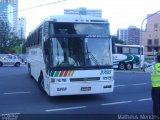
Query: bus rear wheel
[(121, 66), (129, 66)]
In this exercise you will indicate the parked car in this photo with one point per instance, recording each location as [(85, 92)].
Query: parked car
[(10, 60), (147, 64)]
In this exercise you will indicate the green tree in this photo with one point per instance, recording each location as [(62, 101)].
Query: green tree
[(10, 45), (116, 40)]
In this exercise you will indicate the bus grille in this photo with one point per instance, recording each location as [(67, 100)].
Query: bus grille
[(84, 79)]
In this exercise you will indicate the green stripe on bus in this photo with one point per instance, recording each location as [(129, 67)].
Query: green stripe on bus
[(56, 74)]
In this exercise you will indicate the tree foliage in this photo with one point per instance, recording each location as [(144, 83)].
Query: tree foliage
[(9, 43), (116, 40)]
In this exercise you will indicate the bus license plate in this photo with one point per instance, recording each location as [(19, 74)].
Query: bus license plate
[(85, 88)]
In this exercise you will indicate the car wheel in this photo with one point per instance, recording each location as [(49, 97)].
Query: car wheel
[(1, 64), (121, 66), (129, 66), (17, 64)]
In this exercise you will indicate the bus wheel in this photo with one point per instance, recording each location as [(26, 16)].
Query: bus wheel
[(121, 66), (129, 66), (41, 83)]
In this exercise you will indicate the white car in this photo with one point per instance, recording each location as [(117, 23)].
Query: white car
[(148, 64), (10, 60)]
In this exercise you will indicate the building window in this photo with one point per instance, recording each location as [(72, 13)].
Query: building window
[(149, 41), (156, 41), (155, 27), (149, 49)]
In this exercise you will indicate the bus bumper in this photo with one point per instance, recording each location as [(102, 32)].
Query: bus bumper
[(82, 88)]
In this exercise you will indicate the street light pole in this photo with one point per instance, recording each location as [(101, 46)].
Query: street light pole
[(142, 30)]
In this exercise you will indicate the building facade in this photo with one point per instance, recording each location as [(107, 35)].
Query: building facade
[(122, 34), (22, 28), (9, 16), (84, 11), (131, 35), (151, 35)]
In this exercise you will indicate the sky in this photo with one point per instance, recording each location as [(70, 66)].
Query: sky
[(119, 13)]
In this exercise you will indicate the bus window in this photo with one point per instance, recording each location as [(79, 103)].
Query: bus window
[(46, 30), (119, 49), (125, 50), (134, 51)]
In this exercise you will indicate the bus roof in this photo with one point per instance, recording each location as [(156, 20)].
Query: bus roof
[(72, 18), (76, 18)]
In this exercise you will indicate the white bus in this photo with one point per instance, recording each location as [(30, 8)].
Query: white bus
[(71, 55), (128, 56)]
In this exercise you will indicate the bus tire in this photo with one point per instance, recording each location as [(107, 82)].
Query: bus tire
[(121, 66), (129, 66), (29, 71), (41, 83), (1, 64)]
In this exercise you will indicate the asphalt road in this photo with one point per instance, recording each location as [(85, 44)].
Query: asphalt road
[(19, 94)]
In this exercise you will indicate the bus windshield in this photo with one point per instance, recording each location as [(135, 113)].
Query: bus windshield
[(93, 49), (80, 52)]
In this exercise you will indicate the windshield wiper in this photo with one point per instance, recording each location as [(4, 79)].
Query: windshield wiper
[(92, 57)]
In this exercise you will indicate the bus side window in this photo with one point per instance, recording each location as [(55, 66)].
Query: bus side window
[(40, 36), (46, 52)]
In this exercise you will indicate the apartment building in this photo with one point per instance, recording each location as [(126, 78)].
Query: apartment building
[(151, 35), (9, 15), (131, 35), (21, 28)]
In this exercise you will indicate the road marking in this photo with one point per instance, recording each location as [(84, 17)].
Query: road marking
[(11, 113), (11, 93), (115, 103), (70, 108), (140, 84), (147, 99), (132, 71), (119, 85), (131, 84)]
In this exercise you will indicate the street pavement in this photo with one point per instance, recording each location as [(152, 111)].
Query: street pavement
[(19, 94)]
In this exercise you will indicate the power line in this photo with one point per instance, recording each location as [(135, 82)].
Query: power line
[(39, 6)]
